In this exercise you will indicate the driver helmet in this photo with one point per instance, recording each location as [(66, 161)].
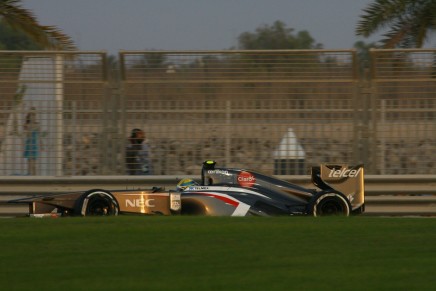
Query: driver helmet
[(185, 183)]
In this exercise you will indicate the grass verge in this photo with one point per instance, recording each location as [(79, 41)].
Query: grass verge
[(218, 253)]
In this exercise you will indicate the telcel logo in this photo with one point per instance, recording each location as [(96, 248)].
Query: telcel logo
[(344, 173)]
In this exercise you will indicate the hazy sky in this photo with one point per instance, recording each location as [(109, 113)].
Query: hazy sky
[(195, 24)]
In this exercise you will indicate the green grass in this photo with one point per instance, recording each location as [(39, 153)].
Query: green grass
[(218, 253)]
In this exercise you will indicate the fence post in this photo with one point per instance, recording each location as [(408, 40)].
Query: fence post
[(373, 119), (122, 109), (382, 138), (59, 93), (228, 136)]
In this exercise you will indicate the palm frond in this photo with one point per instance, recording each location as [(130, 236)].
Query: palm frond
[(378, 15), (49, 37), (397, 36), (409, 21)]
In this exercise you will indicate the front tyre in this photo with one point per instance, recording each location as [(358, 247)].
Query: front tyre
[(97, 203), (330, 204)]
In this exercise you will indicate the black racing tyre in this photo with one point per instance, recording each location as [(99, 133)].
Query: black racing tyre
[(97, 203), (330, 204)]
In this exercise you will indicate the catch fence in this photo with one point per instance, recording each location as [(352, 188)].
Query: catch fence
[(278, 112)]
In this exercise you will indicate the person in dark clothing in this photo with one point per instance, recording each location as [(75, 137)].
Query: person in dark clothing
[(137, 154)]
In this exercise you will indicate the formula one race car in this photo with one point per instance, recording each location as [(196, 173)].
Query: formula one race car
[(221, 192)]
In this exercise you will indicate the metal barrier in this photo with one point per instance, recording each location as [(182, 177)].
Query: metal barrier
[(397, 195)]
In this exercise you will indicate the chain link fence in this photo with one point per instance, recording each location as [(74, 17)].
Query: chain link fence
[(403, 92), (51, 106), (278, 112)]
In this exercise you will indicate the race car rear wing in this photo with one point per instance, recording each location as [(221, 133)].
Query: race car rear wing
[(347, 180)]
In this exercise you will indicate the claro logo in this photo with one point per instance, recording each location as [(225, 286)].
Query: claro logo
[(140, 203), (344, 173), (246, 179)]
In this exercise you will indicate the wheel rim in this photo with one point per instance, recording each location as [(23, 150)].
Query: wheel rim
[(331, 204), (331, 208), (100, 207)]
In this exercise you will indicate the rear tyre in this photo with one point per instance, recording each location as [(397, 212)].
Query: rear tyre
[(330, 204), (97, 203)]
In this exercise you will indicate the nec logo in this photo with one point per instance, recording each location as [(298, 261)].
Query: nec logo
[(140, 203)]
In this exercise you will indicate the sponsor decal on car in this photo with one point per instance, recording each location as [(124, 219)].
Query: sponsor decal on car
[(218, 171), (140, 203), (246, 179), (344, 173), (197, 188), (175, 201)]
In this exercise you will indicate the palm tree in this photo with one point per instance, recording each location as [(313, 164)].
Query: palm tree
[(18, 18), (409, 21)]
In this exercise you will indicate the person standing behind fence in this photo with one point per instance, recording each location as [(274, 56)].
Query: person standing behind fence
[(32, 143), (138, 154)]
